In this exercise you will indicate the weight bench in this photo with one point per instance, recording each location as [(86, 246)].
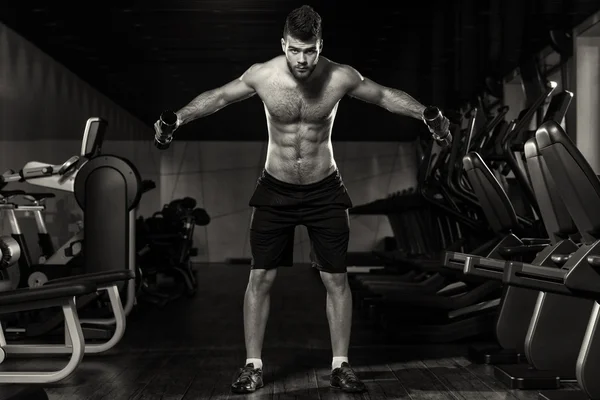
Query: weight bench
[(107, 281), (61, 293), (29, 299)]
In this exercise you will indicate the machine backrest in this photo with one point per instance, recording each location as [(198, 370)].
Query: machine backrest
[(494, 201), (559, 104), (576, 180), (557, 220), (93, 137)]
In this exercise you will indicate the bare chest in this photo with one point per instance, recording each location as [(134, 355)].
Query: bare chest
[(288, 104)]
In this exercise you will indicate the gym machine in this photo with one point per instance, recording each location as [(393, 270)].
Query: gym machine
[(37, 206), (517, 304), (576, 282), (103, 180), (57, 177), (559, 336), (17, 384), (51, 263), (108, 189), (509, 229)]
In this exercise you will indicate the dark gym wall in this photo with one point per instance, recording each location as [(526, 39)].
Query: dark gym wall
[(43, 108), (42, 104), (43, 100), (439, 51), (475, 39)]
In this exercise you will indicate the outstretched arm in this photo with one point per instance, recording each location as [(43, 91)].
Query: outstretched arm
[(213, 100), (393, 100)]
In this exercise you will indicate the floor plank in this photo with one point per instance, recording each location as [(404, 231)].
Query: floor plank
[(420, 383)]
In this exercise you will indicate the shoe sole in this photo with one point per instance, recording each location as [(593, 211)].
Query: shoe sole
[(348, 391), (246, 391)]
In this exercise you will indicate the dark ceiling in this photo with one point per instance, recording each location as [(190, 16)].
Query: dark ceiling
[(149, 56)]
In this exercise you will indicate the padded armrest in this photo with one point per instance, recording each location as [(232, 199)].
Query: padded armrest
[(96, 278), (45, 293), (513, 251), (535, 241), (537, 277), (485, 267)]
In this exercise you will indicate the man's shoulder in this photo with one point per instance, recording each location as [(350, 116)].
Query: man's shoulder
[(262, 70), (344, 73), (269, 65)]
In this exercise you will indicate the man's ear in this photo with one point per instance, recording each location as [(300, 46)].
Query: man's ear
[(321, 46), (283, 44)]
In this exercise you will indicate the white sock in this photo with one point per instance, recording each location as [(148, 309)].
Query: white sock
[(256, 361), (337, 362)]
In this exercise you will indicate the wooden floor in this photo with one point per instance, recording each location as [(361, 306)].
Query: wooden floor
[(193, 348)]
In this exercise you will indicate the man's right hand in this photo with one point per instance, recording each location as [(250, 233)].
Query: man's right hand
[(158, 127), (164, 129)]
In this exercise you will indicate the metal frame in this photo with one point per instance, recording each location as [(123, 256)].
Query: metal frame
[(119, 321), (76, 349)]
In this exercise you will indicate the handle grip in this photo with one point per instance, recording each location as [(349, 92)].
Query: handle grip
[(168, 124)]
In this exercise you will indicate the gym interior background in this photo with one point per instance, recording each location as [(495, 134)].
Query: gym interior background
[(127, 64), (60, 66)]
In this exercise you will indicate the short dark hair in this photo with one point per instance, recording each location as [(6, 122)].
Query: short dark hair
[(303, 23)]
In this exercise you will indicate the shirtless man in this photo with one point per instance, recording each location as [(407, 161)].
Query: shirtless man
[(300, 183)]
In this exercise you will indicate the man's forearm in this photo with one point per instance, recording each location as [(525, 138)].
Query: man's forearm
[(204, 104), (400, 102)]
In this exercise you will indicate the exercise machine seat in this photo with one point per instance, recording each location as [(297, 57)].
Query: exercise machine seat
[(45, 293), (98, 278)]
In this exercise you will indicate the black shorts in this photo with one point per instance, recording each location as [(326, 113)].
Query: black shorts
[(279, 207)]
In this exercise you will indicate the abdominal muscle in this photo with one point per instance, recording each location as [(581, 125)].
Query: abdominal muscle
[(300, 153)]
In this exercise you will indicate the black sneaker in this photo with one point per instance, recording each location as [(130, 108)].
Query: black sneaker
[(249, 379), (345, 379)]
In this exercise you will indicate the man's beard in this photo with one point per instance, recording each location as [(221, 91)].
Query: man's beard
[(300, 75)]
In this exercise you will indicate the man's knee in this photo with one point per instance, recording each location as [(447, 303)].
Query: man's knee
[(335, 282), (261, 280)]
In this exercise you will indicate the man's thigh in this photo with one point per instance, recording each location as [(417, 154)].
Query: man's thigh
[(272, 237), (329, 232)]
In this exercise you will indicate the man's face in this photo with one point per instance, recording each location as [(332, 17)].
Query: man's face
[(302, 57)]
